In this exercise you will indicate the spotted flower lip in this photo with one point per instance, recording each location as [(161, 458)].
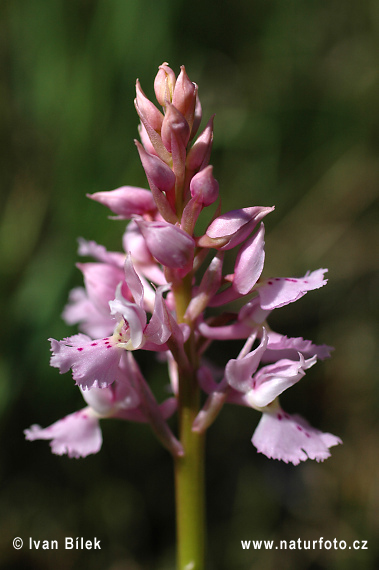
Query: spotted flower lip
[(76, 435), (279, 291), (290, 438), (95, 363), (79, 434)]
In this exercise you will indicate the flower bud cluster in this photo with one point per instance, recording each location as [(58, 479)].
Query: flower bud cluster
[(149, 297)]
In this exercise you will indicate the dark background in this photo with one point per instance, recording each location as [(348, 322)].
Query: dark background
[(295, 89)]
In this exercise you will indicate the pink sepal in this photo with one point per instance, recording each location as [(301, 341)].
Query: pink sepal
[(92, 321), (101, 280), (226, 332), (249, 263), (100, 253), (281, 346)]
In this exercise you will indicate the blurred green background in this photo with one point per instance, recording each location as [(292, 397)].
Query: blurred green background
[(295, 89)]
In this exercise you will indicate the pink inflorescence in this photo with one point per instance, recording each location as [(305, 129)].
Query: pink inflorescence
[(130, 299)]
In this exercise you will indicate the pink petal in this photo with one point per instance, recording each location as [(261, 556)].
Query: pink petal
[(133, 281), (134, 316), (238, 372), (101, 280), (158, 330), (99, 252), (291, 439)]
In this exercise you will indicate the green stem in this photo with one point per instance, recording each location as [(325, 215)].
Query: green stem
[(189, 477), (189, 469)]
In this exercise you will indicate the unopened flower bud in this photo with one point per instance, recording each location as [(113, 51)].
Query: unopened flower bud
[(169, 244), (145, 140), (174, 126), (231, 229), (197, 117), (156, 170), (184, 96), (126, 201), (199, 154), (204, 187), (164, 84), (151, 114)]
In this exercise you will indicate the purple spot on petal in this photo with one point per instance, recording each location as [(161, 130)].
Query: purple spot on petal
[(277, 279), (291, 280), (307, 434), (109, 346), (279, 416), (269, 282), (94, 344), (84, 416), (299, 428), (79, 349), (286, 416)]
